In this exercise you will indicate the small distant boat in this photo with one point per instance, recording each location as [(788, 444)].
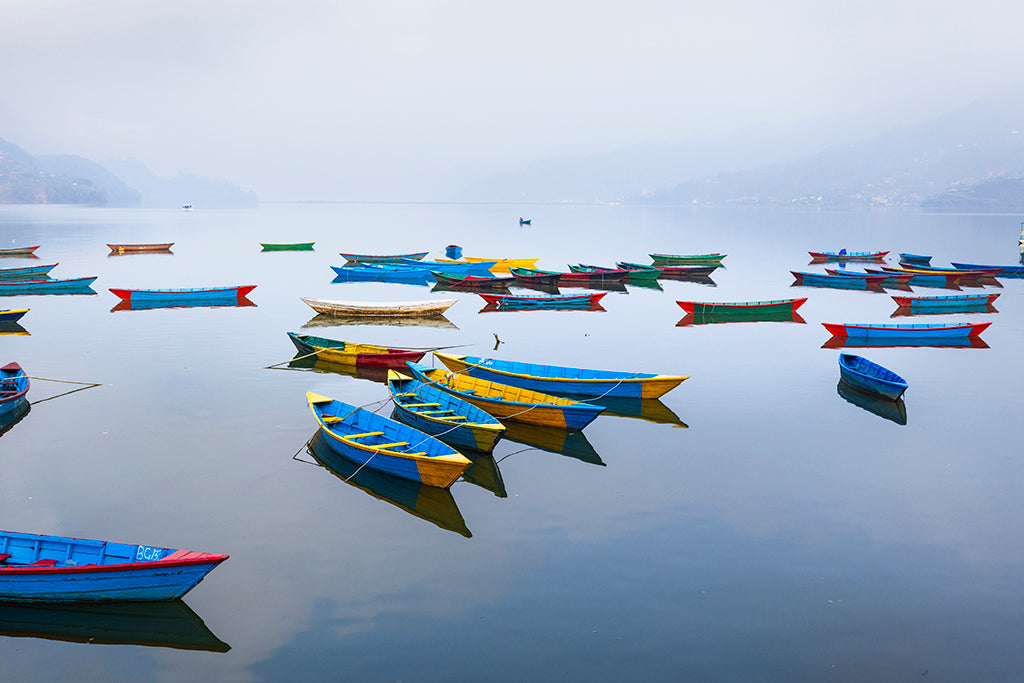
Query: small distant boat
[(287, 246), (334, 351), (524, 221), (554, 379), (18, 251), (843, 255), (901, 331), (837, 281), (684, 259), (139, 248), (944, 303), (1006, 271), (453, 251), (510, 403), (196, 295), (382, 258), (474, 282), (740, 309), (186, 207), (382, 308), (508, 301), (14, 386), (27, 273), (385, 445), (12, 315), (442, 415), (71, 286), (38, 568), (870, 376), (915, 259)]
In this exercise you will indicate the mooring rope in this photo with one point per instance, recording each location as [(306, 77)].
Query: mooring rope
[(85, 385)]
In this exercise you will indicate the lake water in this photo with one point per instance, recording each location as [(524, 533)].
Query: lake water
[(757, 525)]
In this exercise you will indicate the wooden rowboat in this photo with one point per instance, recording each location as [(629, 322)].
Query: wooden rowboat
[(473, 282), (670, 271), (191, 296), (385, 445), (334, 351), (12, 315), (946, 304), (287, 246), (848, 255), (870, 376), (890, 279), (508, 301), (442, 415), (837, 281), (1005, 271), (510, 403), (27, 273), (380, 272), (380, 309), (553, 379), (18, 251), (14, 386), (901, 331), (921, 279), (684, 259), (741, 309), (72, 286), (382, 258), (139, 248), (38, 568)]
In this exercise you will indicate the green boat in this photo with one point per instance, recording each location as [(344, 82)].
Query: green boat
[(686, 259), (292, 246)]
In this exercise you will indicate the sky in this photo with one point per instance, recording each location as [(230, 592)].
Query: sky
[(407, 100)]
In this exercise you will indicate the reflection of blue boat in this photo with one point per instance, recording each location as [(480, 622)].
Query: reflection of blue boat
[(836, 281), (241, 302), (940, 343), (154, 624), (15, 414), (432, 503), (915, 259), (1008, 271), (870, 376), (647, 409), (894, 411), (557, 440), (372, 272), (484, 472)]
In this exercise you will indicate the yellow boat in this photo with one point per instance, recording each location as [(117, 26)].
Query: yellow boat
[(502, 265)]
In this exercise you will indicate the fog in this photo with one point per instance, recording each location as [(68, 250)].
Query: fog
[(392, 100)]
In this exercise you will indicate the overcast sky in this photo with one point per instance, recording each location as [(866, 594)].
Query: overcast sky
[(382, 99)]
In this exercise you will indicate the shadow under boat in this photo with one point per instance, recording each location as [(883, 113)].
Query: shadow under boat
[(304, 361), (553, 440), (484, 472), (894, 411), (494, 308), (242, 302), (647, 409), (720, 318), (325, 320), (599, 285), (170, 624), (696, 279), (958, 343), (10, 327), (535, 287), (431, 503), (14, 415), (944, 310)]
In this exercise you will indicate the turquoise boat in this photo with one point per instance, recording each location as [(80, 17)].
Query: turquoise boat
[(945, 304), (442, 415), (14, 386), (71, 286), (27, 273), (837, 281)]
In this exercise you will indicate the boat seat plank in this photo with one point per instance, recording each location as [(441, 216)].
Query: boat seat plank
[(359, 436), (420, 405), (436, 412), (390, 445)]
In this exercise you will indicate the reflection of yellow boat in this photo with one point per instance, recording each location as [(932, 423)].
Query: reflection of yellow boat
[(368, 372), (502, 265), (13, 328), (554, 440), (484, 472), (432, 503), (648, 409)]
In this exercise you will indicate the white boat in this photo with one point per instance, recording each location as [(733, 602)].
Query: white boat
[(380, 308)]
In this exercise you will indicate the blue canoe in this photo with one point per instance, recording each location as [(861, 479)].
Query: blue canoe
[(837, 281), (900, 331), (869, 376), (27, 273), (385, 445), (947, 304), (14, 386), (553, 379), (916, 259), (12, 315), (481, 268), (371, 272), (1008, 271), (71, 286), (37, 568), (213, 295), (442, 415)]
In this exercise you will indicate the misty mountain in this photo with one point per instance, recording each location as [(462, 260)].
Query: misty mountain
[(24, 181), (972, 147), (184, 188), (116, 192)]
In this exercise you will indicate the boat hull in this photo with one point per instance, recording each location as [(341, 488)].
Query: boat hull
[(870, 376), (896, 332), (14, 385), (30, 273), (382, 258), (382, 272), (12, 315), (742, 309), (139, 248), (436, 412), (684, 259), (75, 285), (945, 304), (1007, 271), (191, 296), (18, 251), (292, 246), (334, 351), (503, 301), (837, 281), (374, 309), (849, 256)]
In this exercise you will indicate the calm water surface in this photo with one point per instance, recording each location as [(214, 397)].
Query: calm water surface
[(755, 526)]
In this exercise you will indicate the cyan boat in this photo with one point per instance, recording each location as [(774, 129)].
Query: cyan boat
[(14, 386), (78, 285)]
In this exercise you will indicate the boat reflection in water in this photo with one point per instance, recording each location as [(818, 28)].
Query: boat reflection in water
[(944, 310), (304, 361), (241, 302), (157, 624), (553, 440), (751, 317), (696, 279), (13, 328), (325, 320), (647, 409), (432, 503), (483, 472), (895, 411), (14, 415), (949, 343)]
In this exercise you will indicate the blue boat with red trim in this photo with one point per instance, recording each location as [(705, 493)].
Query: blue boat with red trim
[(40, 568), (837, 281), (870, 376), (14, 386), (186, 296), (1007, 271), (901, 331), (945, 304)]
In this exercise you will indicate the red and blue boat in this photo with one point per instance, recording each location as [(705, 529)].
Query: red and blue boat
[(39, 568), (897, 331), (27, 273), (1005, 271), (843, 255), (837, 281), (922, 278), (891, 279), (945, 304), (870, 376), (567, 301), (14, 386), (192, 297), (383, 258), (741, 309), (18, 251)]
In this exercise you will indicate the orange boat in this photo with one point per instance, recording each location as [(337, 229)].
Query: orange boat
[(136, 248)]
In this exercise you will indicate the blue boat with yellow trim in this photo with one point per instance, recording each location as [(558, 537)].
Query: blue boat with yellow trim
[(385, 445), (41, 568), (554, 379)]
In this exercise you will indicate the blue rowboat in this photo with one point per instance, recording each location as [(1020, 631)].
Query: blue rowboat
[(870, 376), (916, 259), (1008, 271), (891, 279), (946, 304), (901, 331), (385, 445), (382, 258), (27, 273), (72, 286), (510, 403), (552, 379), (836, 281), (12, 315), (381, 272), (442, 415), (481, 268), (922, 279), (14, 386), (212, 295), (37, 568), (577, 301)]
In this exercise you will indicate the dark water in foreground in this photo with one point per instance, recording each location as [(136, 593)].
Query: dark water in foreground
[(757, 525)]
